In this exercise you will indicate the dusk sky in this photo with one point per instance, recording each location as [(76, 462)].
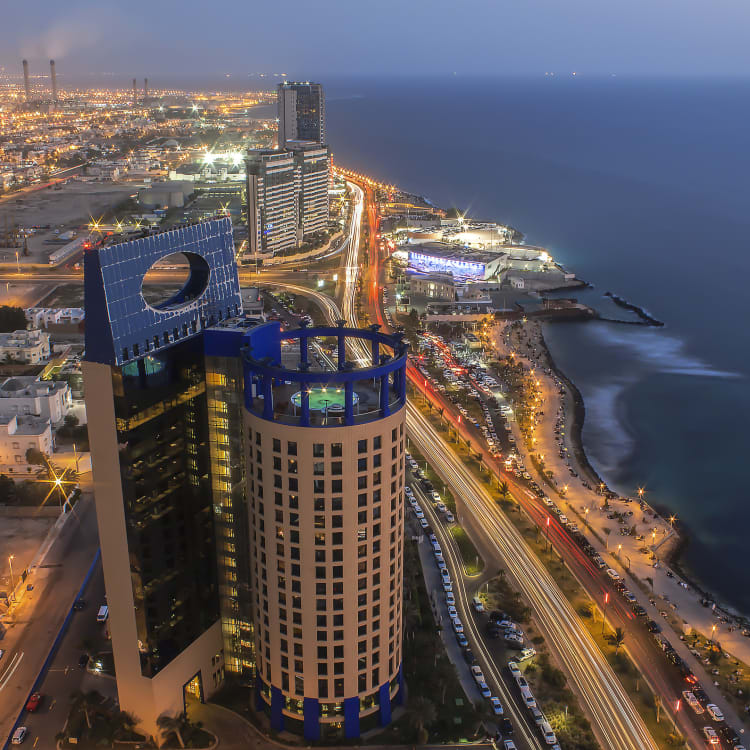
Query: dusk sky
[(685, 37)]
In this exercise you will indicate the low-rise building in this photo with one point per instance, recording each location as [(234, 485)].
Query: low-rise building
[(433, 285), (41, 317), (29, 396), (30, 347), (17, 436)]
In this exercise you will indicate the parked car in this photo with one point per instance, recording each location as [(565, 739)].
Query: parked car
[(715, 712), (33, 703), (19, 736)]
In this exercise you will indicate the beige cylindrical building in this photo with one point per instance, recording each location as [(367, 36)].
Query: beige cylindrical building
[(326, 514)]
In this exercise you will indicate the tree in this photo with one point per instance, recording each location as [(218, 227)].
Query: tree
[(175, 725), (618, 639), (12, 319), (87, 702), (35, 457), (422, 714), (504, 490)]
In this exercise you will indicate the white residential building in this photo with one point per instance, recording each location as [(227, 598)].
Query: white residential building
[(29, 347), (29, 396), (17, 435)]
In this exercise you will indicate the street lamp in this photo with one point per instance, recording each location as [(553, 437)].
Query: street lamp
[(713, 632), (12, 586), (640, 493), (604, 611), (672, 519), (619, 549)]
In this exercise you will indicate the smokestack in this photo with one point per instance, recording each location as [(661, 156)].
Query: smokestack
[(53, 77), (145, 89), (26, 84), (135, 91)]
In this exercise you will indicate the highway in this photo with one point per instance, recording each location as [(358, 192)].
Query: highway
[(614, 718)]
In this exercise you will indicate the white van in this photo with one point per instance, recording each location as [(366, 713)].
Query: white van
[(102, 614)]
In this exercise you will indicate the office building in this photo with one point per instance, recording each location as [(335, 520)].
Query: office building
[(150, 428), (250, 501), (302, 112), (287, 196), (325, 466)]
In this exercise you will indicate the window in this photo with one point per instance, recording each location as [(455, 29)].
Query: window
[(361, 482), (362, 446), (336, 450), (319, 468), (376, 443), (362, 499), (276, 445), (319, 485), (337, 485), (318, 450), (292, 465), (362, 464), (336, 468), (291, 449)]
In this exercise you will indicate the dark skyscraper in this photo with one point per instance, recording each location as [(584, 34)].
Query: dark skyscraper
[(146, 397), (302, 112)]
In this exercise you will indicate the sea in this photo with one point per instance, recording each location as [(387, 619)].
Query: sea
[(642, 188)]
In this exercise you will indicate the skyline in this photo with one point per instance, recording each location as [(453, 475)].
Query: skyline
[(583, 37)]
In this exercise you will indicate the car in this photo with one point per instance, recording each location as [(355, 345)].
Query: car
[(521, 681), (19, 736), (468, 656), (692, 701), (449, 517), (548, 734), (506, 726), (514, 670), (537, 716), (509, 745), (83, 660), (476, 602), (484, 690), (476, 673), (447, 585), (452, 611), (730, 736), (450, 598), (423, 523), (457, 625), (526, 654), (497, 707), (33, 703), (715, 712), (653, 627), (613, 575), (461, 639), (79, 604), (528, 698), (629, 596), (710, 734)]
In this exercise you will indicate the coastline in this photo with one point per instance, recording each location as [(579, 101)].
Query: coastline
[(680, 540)]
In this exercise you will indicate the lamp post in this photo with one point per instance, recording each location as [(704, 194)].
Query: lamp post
[(604, 611), (546, 534), (713, 633), (12, 586)]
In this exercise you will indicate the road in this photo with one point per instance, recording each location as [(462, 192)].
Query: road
[(64, 677), (36, 621)]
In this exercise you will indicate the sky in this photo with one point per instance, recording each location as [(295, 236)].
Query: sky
[(310, 39)]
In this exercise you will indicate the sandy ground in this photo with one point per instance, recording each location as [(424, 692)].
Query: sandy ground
[(21, 538)]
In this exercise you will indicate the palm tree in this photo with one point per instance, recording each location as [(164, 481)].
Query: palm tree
[(422, 714), (504, 490), (121, 723), (87, 702), (175, 725), (619, 638)]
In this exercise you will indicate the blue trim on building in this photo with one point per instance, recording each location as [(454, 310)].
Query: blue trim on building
[(384, 698), (121, 326), (400, 695), (311, 709), (277, 706), (262, 368), (260, 704), (351, 717)]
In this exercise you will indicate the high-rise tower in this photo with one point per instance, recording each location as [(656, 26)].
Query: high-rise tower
[(302, 112), (325, 479), (26, 84), (149, 423)]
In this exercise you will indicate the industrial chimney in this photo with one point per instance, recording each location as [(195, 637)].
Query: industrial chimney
[(26, 84), (145, 89), (53, 78), (135, 91)]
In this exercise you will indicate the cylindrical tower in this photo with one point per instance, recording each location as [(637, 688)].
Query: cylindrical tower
[(53, 79), (145, 89), (135, 91), (325, 484), (26, 84)]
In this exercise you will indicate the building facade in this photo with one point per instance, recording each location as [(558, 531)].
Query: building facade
[(29, 396), (287, 196), (325, 479), (20, 434), (302, 112), (146, 397), (29, 347)]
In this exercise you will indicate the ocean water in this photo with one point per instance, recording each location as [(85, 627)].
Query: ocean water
[(641, 187)]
